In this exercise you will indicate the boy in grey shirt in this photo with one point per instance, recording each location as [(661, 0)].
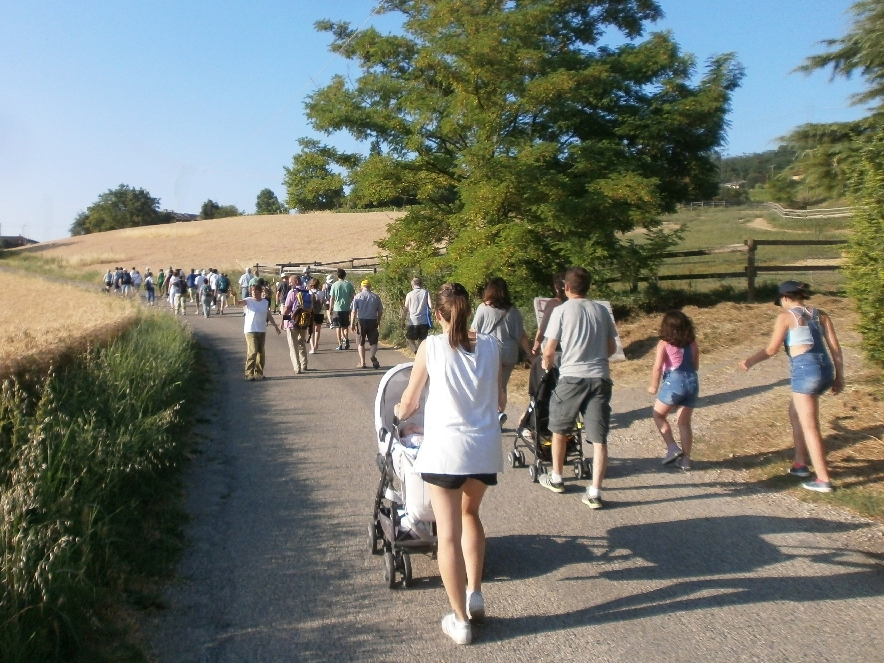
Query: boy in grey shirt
[(587, 336)]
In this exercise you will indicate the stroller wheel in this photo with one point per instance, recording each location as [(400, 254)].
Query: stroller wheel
[(521, 458), (578, 469), (373, 539), (512, 458), (587, 468), (406, 570), (532, 473), (389, 570)]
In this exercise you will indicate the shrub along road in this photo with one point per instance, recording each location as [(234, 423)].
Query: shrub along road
[(697, 566)]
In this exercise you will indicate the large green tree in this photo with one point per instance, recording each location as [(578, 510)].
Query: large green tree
[(123, 207), (528, 143), (314, 182), (268, 203), (212, 210), (861, 51)]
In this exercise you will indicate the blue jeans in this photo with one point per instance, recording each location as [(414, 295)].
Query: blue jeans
[(812, 373), (679, 388)]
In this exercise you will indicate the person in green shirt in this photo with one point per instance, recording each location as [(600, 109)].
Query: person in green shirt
[(340, 303)]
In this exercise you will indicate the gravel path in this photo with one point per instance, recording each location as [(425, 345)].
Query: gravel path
[(700, 566)]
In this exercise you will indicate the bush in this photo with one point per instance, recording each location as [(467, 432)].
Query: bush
[(90, 456), (865, 254)]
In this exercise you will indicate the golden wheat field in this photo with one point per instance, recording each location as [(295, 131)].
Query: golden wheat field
[(72, 318), (242, 241)]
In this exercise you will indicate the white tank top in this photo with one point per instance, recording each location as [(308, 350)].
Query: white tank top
[(461, 429)]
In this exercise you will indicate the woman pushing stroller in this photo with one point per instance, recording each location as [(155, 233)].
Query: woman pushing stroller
[(460, 455)]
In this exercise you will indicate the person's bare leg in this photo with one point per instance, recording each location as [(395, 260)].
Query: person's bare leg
[(807, 409), (599, 464), (361, 350), (559, 446), (314, 343), (412, 345), (447, 505), (660, 414), (686, 433), (374, 352), (473, 535), (797, 436)]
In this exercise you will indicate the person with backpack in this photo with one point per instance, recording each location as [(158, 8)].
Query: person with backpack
[(126, 282), (223, 288), (206, 295), (149, 286), (319, 301), (108, 280), (367, 311), (297, 320)]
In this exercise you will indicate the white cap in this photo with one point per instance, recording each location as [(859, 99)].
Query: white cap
[(203, 272), (328, 278)]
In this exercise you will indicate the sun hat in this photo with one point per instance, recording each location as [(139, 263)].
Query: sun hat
[(789, 287), (366, 283), (329, 278)]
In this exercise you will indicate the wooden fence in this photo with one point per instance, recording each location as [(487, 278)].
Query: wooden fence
[(826, 213)]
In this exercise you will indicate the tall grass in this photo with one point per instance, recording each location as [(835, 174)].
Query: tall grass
[(90, 455)]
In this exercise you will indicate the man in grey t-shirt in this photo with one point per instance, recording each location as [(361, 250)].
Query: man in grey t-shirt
[(587, 336)]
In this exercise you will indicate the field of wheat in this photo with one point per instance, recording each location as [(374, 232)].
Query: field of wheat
[(40, 319), (225, 243)]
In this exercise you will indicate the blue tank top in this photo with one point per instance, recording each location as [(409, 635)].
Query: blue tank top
[(808, 333)]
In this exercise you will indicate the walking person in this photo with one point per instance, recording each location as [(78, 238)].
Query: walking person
[(497, 317), (126, 283), (136, 282), (460, 455), (206, 296), (108, 281), (244, 281), (149, 287), (340, 302), (297, 319), (551, 304), (367, 311), (223, 289), (326, 288), (585, 331), (319, 304), (256, 310), (676, 362), (416, 314), (161, 280), (805, 332)]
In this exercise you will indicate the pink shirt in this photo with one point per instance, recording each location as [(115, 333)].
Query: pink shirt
[(673, 356)]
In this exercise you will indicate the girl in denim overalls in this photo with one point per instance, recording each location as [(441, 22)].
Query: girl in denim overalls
[(805, 332), (676, 362)]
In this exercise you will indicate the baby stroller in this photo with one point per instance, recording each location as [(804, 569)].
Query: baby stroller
[(402, 522), (533, 434)]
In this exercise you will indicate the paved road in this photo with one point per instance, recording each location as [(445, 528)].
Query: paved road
[(696, 567)]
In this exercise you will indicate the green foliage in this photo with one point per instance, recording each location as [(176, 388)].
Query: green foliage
[(212, 210), (89, 493), (733, 196), (865, 267), (312, 183), (756, 168), (268, 203), (123, 207), (526, 144)]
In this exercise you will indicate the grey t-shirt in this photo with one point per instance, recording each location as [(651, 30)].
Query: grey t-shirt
[(507, 332), (582, 327), (367, 305)]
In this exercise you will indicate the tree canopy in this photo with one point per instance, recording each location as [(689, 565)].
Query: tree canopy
[(268, 203), (313, 183), (212, 210), (123, 207), (527, 144)]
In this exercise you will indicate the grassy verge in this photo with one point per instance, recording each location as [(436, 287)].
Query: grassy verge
[(55, 267), (90, 457)]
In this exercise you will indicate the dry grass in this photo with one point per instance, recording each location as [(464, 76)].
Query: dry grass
[(242, 241), (34, 336)]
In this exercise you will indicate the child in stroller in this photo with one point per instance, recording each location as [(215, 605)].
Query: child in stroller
[(533, 434), (402, 521)]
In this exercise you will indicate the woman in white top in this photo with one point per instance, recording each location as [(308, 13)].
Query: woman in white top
[(257, 316), (461, 453)]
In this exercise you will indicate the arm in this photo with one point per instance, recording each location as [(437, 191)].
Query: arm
[(612, 346), (501, 391), (411, 397), (781, 326), (273, 322), (549, 353), (835, 351), (657, 370), (526, 345)]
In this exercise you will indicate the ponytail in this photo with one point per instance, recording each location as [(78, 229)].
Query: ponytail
[(453, 304)]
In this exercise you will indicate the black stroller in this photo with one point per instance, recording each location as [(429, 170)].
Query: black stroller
[(533, 434), (402, 521)]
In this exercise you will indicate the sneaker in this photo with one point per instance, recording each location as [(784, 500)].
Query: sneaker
[(502, 418), (592, 502), (312, 352), (547, 482), (672, 456), (347, 344), (340, 347), (800, 471), (460, 632), (684, 465), (818, 486), (375, 363), (476, 607)]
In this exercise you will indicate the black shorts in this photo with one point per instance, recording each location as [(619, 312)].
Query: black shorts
[(368, 331), (455, 481), (341, 319), (417, 332), (318, 318)]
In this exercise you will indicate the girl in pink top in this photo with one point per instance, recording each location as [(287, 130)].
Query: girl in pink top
[(675, 364)]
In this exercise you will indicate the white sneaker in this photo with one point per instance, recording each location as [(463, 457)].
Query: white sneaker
[(312, 351), (460, 632), (475, 607)]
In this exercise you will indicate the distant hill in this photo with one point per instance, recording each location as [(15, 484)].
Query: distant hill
[(755, 168), (224, 243)]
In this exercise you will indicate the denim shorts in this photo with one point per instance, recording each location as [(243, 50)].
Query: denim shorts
[(679, 388), (812, 373)]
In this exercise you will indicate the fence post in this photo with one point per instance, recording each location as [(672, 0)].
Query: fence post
[(750, 270)]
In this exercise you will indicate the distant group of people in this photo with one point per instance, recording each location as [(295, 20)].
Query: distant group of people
[(208, 290)]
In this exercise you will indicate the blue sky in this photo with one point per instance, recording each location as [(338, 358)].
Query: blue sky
[(192, 99)]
